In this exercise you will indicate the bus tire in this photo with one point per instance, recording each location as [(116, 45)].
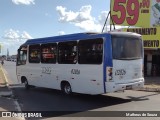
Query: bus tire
[(27, 87), (25, 82), (66, 88)]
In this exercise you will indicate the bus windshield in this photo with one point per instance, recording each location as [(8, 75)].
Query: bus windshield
[(127, 48)]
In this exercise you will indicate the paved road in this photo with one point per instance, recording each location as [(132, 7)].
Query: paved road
[(40, 99), (10, 71)]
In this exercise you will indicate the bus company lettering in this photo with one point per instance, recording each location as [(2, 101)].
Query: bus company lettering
[(120, 72), (75, 71)]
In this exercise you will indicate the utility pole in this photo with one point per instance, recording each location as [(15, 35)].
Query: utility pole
[(7, 53), (0, 48)]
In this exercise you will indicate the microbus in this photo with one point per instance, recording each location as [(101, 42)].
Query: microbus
[(88, 63)]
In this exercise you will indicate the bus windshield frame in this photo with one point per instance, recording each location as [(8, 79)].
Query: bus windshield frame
[(127, 47)]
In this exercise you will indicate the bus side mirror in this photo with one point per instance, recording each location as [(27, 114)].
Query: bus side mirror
[(18, 51)]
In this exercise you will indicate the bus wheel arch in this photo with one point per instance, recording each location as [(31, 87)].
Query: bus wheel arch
[(66, 87), (25, 82)]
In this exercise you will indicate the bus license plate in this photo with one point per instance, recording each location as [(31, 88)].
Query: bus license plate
[(129, 87)]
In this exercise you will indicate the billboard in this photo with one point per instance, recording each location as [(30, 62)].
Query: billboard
[(151, 36), (141, 13)]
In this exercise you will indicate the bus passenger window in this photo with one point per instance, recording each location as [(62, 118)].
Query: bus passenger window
[(22, 56), (48, 53), (67, 52), (90, 51), (34, 53)]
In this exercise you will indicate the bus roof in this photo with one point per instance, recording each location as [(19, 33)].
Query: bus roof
[(125, 33), (60, 38), (76, 36)]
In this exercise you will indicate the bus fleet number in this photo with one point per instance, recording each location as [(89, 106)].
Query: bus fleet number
[(46, 70)]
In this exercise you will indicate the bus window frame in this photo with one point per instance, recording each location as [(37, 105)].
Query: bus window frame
[(74, 59), (55, 54), (22, 62), (130, 38), (38, 57), (102, 51)]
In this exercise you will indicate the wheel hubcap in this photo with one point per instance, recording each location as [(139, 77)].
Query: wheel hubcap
[(25, 82), (67, 89)]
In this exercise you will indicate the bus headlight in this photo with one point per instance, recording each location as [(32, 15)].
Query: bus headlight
[(109, 73)]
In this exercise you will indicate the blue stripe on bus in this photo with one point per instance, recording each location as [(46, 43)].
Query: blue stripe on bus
[(107, 58)]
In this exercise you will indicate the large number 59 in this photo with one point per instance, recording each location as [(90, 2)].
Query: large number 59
[(132, 9)]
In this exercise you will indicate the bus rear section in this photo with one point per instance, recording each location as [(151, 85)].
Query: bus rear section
[(126, 71)]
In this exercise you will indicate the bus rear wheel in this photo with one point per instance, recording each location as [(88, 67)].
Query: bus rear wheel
[(25, 82), (66, 88)]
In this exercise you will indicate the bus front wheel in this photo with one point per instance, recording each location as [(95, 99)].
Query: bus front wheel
[(26, 85), (66, 88)]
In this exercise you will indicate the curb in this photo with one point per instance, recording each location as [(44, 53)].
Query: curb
[(9, 93), (148, 89), (5, 78)]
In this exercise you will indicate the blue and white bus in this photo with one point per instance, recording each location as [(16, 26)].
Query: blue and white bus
[(88, 63)]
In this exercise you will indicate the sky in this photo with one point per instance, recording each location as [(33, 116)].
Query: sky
[(28, 19)]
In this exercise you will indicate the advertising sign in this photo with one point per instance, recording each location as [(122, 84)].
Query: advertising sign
[(142, 13), (151, 36)]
